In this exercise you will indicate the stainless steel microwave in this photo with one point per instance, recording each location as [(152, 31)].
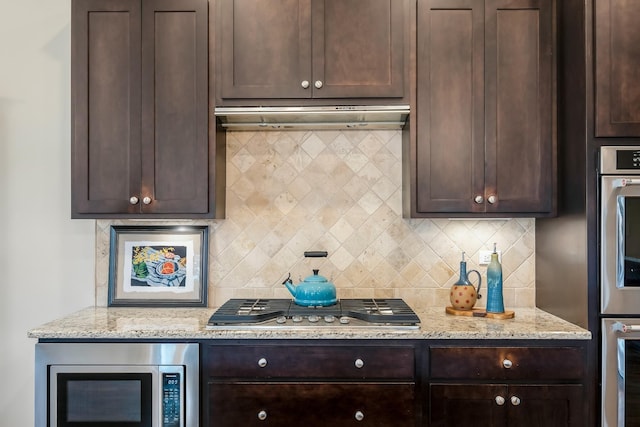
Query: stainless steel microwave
[(117, 384)]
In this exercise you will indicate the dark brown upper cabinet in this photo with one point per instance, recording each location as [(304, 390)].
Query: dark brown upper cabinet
[(141, 145), (484, 124), (283, 50), (617, 68)]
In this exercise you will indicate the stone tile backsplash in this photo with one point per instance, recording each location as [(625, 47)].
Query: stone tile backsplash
[(338, 191)]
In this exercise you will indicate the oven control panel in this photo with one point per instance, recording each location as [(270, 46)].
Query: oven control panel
[(617, 160), (628, 159)]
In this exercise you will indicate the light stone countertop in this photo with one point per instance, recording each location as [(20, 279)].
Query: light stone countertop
[(190, 323)]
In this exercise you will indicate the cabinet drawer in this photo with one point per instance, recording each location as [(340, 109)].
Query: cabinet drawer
[(311, 404), (496, 363), (271, 361)]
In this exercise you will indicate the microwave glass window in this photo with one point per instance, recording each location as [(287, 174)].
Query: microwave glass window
[(632, 241), (104, 399)]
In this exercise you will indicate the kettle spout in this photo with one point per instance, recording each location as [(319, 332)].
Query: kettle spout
[(289, 284)]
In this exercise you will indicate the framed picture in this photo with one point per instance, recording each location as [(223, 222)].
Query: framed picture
[(158, 266)]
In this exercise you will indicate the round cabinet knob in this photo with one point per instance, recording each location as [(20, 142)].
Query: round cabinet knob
[(492, 199), (359, 415), (305, 84), (507, 363), (478, 199), (133, 200), (499, 400), (515, 400), (146, 200), (262, 415), (262, 362), (318, 84), (359, 363)]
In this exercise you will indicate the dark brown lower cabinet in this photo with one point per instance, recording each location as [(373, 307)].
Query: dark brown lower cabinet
[(496, 405), (394, 383), (311, 404), (533, 383), (310, 383)]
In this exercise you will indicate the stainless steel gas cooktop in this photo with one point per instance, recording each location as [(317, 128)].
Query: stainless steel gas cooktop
[(286, 314)]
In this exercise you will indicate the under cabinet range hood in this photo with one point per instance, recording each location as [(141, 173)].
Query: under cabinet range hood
[(313, 118)]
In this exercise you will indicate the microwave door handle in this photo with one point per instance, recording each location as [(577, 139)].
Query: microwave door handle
[(623, 182)]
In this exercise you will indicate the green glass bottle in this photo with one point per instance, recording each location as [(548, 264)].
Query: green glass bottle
[(495, 301)]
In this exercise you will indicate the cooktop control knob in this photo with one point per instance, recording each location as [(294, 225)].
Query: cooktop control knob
[(313, 318), (344, 320), (329, 318), (281, 319), (296, 318)]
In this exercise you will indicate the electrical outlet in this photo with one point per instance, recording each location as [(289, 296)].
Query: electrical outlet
[(484, 257)]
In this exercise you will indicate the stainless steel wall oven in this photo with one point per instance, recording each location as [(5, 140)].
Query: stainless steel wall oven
[(619, 219), (620, 230), (117, 384)]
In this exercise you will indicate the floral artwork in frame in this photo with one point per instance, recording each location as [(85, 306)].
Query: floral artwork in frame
[(158, 266)]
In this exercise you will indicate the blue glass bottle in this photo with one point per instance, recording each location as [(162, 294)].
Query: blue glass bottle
[(495, 301)]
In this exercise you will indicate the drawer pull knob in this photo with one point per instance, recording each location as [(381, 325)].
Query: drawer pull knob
[(359, 415), (262, 415), (133, 200), (478, 199), (318, 84), (492, 199), (500, 400), (359, 363), (507, 363), (262, 362), (515, 400), (146, 200), (305, 84)]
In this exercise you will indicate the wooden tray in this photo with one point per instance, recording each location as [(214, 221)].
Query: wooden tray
[(481, 312)]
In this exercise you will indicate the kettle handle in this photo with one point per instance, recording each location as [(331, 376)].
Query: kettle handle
[(479, 281), (288, 280), (315, 254)]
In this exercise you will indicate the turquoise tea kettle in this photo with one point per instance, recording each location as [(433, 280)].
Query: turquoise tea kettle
[(315, 290)]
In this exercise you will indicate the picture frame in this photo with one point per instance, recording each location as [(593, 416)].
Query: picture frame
[(158, 266)]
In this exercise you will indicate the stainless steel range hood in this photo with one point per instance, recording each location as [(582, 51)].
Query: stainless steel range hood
[(314, 118)]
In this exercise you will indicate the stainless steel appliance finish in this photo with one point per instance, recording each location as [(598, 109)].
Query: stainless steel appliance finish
[(324, 117), (620, 230), (163, 377), (619, 219), (620, 372), (285, 314)]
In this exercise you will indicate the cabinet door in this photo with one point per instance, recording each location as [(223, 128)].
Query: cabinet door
[(299, 49), (617, 68), (546, 405), (264, 48), (519, 106), (453, 405), (105, 98), (358, 48), (494, 405), (485, 108), (449, 157), (140, 102), (174, 106)]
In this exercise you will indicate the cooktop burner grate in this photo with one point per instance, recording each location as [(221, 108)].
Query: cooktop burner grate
[(283, 312)]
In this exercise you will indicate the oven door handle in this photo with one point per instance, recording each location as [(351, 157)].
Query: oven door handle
[(623, 182), (624, 328)]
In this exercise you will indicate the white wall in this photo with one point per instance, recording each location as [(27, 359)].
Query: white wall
[(46, 259)]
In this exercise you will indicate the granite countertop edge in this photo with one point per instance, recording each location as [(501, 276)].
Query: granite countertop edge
[(117, 323)]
